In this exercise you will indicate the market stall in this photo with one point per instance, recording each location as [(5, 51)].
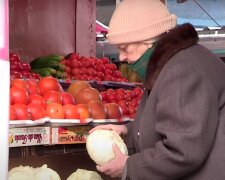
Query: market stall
[(45, 28)]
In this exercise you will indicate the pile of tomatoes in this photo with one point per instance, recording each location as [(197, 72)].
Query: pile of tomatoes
[(19, 69), (127, 99), (91, 68), (32, 99)]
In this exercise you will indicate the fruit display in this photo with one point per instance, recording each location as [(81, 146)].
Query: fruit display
[(91, 68), (36, 91), (19, 69), (85, 95), (72, 67), (126, 99), (32, 99)]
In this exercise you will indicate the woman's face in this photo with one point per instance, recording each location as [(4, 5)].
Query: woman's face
[(132, 52)]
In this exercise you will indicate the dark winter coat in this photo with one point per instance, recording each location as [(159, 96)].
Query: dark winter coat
[(179, 131)]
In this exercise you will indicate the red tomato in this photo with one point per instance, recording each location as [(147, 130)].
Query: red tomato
[(129, 95), (37, 99), (104, 95), (87, 63), (117, 74), (138, 91), (108, 71), (18, 95), (108, 77), (53, 97), (71, 111), (25, 67), (134, 102), (110, 90), (132, 110), (32, 86), (15, 74), (77, 77), (14, 57), (124, 109), (36, 111), (120, 90), (105, 60), (18, 83), (74, 56), (111, 97), (55, 111), (48, 84), (98, 79), (16, 66), (75, 64), (100, 68), (26, 74), (83, 70), (12, 115), (35, 75), (83, 111), (120, 96), (122, 103), (84, 77), (67, 98), (21, 112), (75, 71), (100, 75)]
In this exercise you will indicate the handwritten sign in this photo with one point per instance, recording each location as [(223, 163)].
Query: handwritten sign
[(29, 136), (69, 135)]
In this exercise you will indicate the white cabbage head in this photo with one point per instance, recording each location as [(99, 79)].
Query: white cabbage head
[(99, 145), (45, 173), (83, 174), (21, 173), (30, 173)]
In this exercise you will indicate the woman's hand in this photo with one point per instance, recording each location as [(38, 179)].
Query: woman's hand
[(119, 129), (114, 168)]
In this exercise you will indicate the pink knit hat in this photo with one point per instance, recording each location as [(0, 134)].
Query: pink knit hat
[(139, 20)]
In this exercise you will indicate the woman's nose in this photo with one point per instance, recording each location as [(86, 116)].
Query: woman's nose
[(122, 57)]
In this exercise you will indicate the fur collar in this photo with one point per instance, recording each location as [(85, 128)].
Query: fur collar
[(171, 43)]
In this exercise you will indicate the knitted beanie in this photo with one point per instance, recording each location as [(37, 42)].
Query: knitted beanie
[(139, 20)]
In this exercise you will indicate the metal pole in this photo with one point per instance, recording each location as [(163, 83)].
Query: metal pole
[(4, 86)]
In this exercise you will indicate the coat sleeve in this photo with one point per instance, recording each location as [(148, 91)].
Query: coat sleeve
[(129, 139), (186, 119)]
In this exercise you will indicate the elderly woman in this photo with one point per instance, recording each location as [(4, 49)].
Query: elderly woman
[(179, 128)]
